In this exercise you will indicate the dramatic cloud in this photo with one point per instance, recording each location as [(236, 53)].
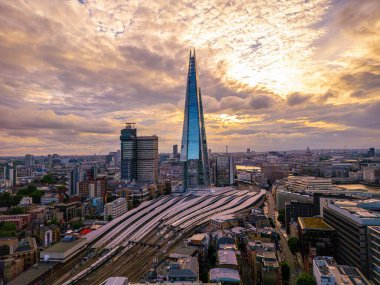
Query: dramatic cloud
[(274, 75)]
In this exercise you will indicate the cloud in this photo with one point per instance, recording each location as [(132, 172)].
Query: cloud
[(296, 99), (273, 75), (260, 102)]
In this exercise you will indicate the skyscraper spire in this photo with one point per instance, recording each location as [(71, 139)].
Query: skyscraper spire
[(194, 143)]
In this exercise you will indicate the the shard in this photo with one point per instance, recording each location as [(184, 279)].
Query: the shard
[(194, 144)]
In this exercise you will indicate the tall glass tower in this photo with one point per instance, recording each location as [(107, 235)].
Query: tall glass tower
[(194, 143)]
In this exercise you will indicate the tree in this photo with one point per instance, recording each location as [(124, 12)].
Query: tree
[(8, 200), (48, 179), (7, 229), (281, 217), (305, 279), (4, 250), (36, 196), (293, 244), (211, 255), (109, 218), (285, 271), (17, 211), (76, 225)]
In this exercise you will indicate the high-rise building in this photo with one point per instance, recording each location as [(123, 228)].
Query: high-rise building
[(128, 152), (29, 161), (147, 159), (74, 180), (10, 174), (224, 170), (175, 151), (139, 155), (371, 152), (194, 143)]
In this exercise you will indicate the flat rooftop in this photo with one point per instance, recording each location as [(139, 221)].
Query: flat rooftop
[(63, 246), (180, 252), (313, 224), (29, 276), (224, 275), (227, 257)]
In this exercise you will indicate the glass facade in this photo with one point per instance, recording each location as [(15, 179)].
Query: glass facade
[(128, 139), (194, 143)]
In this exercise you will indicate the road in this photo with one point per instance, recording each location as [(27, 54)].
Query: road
[(285, 252)]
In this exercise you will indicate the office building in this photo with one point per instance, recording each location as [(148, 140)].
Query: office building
[(175, 151), (371, 152), (294, 210), (327, 272), (128, 139), (351, 223), (29, 161), (139, 156), (316, 237), (10, 174), (374, 252), (92, 188), (194, 143), (74, 179), (308, 184), (147, 159), (224, 170), (283, 196)]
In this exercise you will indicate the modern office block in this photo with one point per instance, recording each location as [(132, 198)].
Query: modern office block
[(351, 224)]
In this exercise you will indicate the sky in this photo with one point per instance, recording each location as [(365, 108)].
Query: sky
[(274, 75)]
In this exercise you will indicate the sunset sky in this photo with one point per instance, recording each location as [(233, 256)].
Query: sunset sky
[(275, 75)]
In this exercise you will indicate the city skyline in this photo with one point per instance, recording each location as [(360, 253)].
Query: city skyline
[(274, 76)]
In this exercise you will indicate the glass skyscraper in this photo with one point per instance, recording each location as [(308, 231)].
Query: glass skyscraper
[(194, 143)]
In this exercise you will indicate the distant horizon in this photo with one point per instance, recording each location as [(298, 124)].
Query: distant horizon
[(221, 152)]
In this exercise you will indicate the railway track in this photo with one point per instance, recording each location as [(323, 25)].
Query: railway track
[(164, 223)]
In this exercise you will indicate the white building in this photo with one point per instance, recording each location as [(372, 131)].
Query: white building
[(327, 272), (308, 184), (116, 208)]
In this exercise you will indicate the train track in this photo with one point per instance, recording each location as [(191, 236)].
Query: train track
[(165, 224)]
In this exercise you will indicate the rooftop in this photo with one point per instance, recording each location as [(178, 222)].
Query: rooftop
[(224, 274), (227, 257), (313, 224), (62, 246), (30, 275)]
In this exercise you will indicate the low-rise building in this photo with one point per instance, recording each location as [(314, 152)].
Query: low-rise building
[(225, 276), (227, 259), (21, 221), (25, 250), (327, 272), (64, 250)]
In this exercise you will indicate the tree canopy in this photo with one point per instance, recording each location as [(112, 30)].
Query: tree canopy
[(293, 244), (285, 271), (305, 279), (7, 229)]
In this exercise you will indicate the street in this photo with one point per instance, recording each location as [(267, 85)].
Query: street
[(284, 251)]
